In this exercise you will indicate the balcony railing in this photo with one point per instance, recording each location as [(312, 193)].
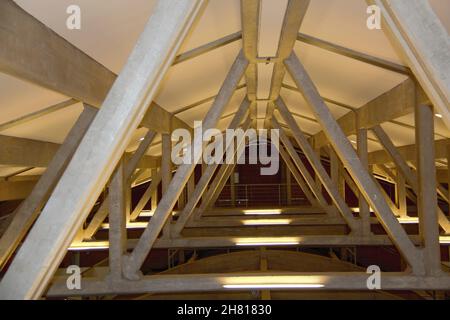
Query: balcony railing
[(261, 195)]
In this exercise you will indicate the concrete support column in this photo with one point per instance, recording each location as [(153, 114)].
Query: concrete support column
[(364, 209), (154, 196), (427, 196), (166, 173), (233, 189), (288, 186), (117, 221), (400, 194)]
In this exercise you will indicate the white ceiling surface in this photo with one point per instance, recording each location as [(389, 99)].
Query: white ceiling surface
[(110, 29)]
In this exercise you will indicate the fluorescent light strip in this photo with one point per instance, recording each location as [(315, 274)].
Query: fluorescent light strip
[(356, 210), (131, 225), (263, 212), (249, 244), (149, 213), (274, 286), (90, 246), (266, 222), (408, 220)]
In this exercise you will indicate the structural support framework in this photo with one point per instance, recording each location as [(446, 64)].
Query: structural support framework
[(219, 282), (418, 33), (102, 160), (100, 149), (207, 175), (29, 209), (133, 262), (351, 161)]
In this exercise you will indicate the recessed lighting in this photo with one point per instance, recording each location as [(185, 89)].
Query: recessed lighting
[(141, 139), (130, 225), (149, 213), (444, 240), (89, 246), (356, 210), (408, 220), (276, 241), (438, 115), (262, 212), (260, 244), (266, 222), (274, 286)]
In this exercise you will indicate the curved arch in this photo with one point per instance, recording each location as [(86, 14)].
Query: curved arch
[(277, 260)]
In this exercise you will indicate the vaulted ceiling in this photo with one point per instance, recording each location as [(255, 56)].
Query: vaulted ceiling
[(110, 29)]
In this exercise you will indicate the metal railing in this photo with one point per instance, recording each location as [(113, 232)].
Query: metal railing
[(260, 195)]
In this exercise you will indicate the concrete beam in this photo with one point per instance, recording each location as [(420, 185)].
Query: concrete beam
[(191, 54), (100, 150), (348, 156), (408, 152), (422, 40), (134, 261), (218, 282), (250, 10), (395, 103), (29, 209), (353, 54), (22, 152), (33, 52), (15, 190)]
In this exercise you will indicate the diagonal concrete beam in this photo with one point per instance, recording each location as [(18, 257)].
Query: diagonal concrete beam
[(351, 161), (316, 164), (33, 52), (29, 209), (100, 150), (134, 261), (208, 174), (422, 40)]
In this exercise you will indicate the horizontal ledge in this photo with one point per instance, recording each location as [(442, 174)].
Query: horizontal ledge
[(223, 282), (232, 242)]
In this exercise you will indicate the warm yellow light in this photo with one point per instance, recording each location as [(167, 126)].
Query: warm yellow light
[(274, 286), (408, 220), (262, 212), (274, 282), (267, 241), (149, 213), (356, 210), (89, 246), (130, 225), (249, 244), (266, 222), (444, 240), (146, 213)]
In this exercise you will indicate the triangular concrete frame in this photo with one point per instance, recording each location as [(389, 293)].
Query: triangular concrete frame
[(103, 145)]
